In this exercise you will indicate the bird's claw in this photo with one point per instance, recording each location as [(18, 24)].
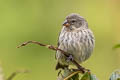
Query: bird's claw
[(69, 58)]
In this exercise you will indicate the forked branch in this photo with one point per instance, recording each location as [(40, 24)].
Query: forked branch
[(55, 49)]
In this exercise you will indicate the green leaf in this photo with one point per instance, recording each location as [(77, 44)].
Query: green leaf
[(116, 46), (75, 77), (88, 76), (118, 78), (115, 75)]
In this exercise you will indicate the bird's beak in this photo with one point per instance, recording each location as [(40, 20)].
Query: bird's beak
[(66, 24)]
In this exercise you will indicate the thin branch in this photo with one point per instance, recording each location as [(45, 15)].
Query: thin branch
[(48, 46), (55, 49), (15, 73), (72, 74)]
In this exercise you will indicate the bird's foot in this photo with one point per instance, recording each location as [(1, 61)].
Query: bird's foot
[(70, 58), (59, 72)]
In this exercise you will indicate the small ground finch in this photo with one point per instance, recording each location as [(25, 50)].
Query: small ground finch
[(75, 38)]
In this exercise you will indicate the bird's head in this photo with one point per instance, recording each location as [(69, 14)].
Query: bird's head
[(74, 21)]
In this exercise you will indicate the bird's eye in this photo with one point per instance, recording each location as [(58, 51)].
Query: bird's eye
[(73, 21)]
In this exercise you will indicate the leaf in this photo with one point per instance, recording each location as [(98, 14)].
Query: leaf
[(88, 76), (116, 46), (71, 75), (115, 75), (118, 78), (75, 77)]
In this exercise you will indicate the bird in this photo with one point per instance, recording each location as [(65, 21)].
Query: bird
[(75, 38)]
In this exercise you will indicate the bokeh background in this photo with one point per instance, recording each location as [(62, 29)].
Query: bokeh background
[(40, 20)]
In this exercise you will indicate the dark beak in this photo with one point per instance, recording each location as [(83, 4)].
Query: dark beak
[(66, 24)]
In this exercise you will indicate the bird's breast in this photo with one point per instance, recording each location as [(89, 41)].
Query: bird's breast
[(80, 43), (70, 41)]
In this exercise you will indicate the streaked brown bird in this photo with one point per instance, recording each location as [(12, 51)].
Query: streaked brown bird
[(75, 38)]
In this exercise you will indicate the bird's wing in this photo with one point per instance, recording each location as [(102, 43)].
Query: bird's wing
[(58, 44)]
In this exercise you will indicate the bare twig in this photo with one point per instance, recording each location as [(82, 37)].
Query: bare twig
[(55, 49), (15, 73), (72, 74)]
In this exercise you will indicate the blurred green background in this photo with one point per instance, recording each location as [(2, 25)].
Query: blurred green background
[(40, 20)]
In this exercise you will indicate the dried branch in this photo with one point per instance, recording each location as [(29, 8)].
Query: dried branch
[(15, 73), (55, 49), (80, 68), (72, 74)]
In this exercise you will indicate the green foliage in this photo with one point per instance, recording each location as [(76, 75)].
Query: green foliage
[(118, 78), (115, 75), (80, 76), (75, 77), (12, 75), (88, 76), (116, 46)]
